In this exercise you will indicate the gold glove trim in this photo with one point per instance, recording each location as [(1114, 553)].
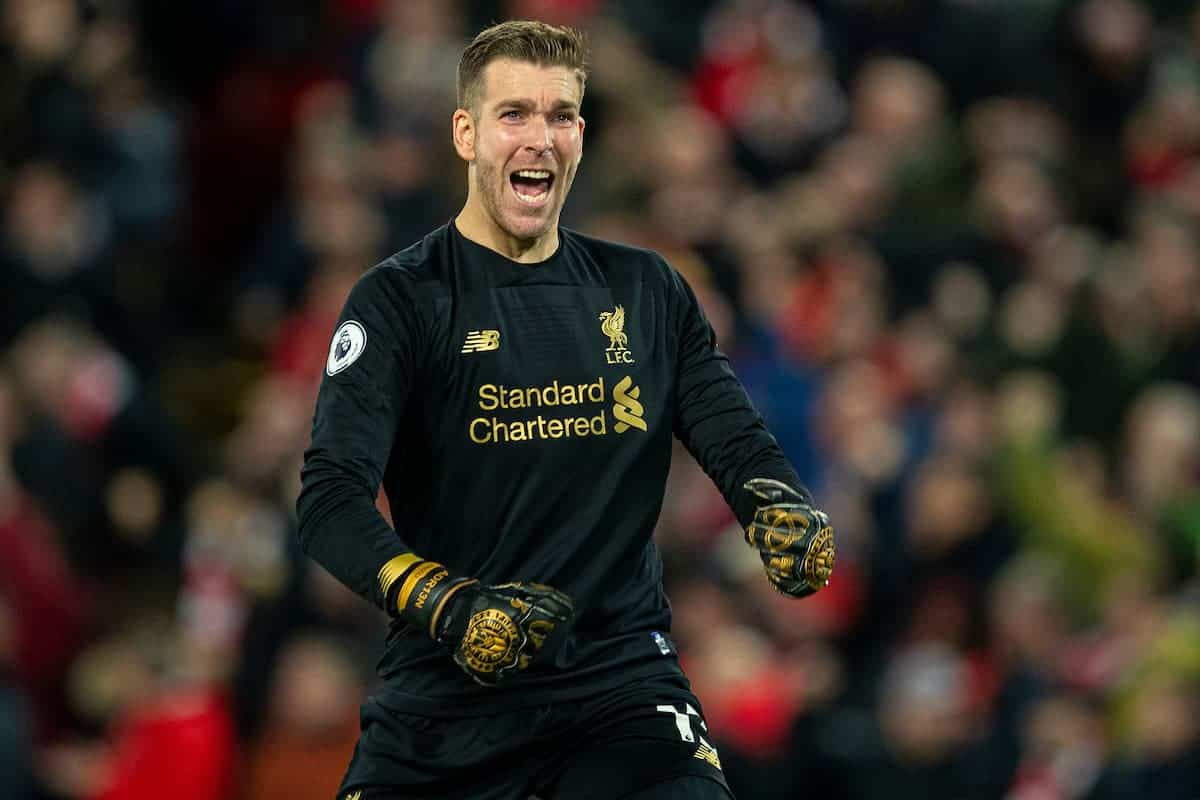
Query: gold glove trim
[(818, 561), (782, 567), (775, 528), (410, 583), (391, 571)]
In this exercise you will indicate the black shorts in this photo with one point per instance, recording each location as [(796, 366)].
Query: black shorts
[(602, 748)]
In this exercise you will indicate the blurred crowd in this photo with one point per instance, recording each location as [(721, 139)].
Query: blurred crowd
[(952, 246)]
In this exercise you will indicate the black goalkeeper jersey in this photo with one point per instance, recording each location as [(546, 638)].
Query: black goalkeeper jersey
[(520, 419)]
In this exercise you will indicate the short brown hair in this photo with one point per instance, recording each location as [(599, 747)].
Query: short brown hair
[(521, 40)]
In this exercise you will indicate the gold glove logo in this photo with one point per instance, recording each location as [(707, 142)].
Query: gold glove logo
[(612, 325), (490, 640), (626, 408)]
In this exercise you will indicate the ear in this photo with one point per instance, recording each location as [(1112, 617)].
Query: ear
[(463, 133), (582, 125)]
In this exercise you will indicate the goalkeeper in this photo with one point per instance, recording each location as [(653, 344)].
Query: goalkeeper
[(514, 387)]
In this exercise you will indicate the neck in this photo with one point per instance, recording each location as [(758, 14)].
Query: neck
[(476, 224)]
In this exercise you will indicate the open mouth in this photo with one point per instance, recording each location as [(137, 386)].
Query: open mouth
[(532, 185)]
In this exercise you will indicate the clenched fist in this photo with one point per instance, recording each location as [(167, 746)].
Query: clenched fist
[(794, 540), (495, 632)]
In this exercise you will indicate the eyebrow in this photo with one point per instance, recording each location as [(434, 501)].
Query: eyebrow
[(524, 103)]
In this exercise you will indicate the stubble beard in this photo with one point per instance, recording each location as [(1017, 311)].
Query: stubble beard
[(489, 182)]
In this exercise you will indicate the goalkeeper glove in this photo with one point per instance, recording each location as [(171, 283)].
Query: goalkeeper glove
[(793, 539), (492, 632)]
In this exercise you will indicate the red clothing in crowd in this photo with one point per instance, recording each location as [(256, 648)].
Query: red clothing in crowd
[(180, 745), (46, 603)]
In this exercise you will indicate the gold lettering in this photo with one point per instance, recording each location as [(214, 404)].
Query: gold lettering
[(495, 430), (486, 437), (618, 357), (487, 397), (423, 595), (489, 430), (418, 574)]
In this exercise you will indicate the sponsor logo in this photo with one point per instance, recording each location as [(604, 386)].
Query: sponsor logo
[(691, 729), (493, 397), (626, 408), (491, 430), (349, 341), (478, 341), (612, 325), (555, 395), (663, 646), (706, 752), (500, 428)]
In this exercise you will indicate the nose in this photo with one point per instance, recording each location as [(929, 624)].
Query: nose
[(539, 135)]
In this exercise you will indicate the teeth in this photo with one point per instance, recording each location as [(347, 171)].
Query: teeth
[(534, 174)]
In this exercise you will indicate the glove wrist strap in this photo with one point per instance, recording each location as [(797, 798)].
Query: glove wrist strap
[(436, 629), (421, 593)]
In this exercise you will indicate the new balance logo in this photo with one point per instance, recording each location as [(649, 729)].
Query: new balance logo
[(706, 752), (478, 341), (686, 723)]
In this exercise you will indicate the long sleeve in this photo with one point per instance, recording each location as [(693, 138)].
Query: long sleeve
[(373, 356), (715, 418)]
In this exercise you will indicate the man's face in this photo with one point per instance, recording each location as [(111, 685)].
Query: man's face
[(527, 144)]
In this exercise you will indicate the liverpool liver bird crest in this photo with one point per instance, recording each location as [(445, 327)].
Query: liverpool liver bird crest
[(612, 323)]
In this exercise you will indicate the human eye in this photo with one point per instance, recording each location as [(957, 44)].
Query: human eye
[(511, 114), (564, 117)]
